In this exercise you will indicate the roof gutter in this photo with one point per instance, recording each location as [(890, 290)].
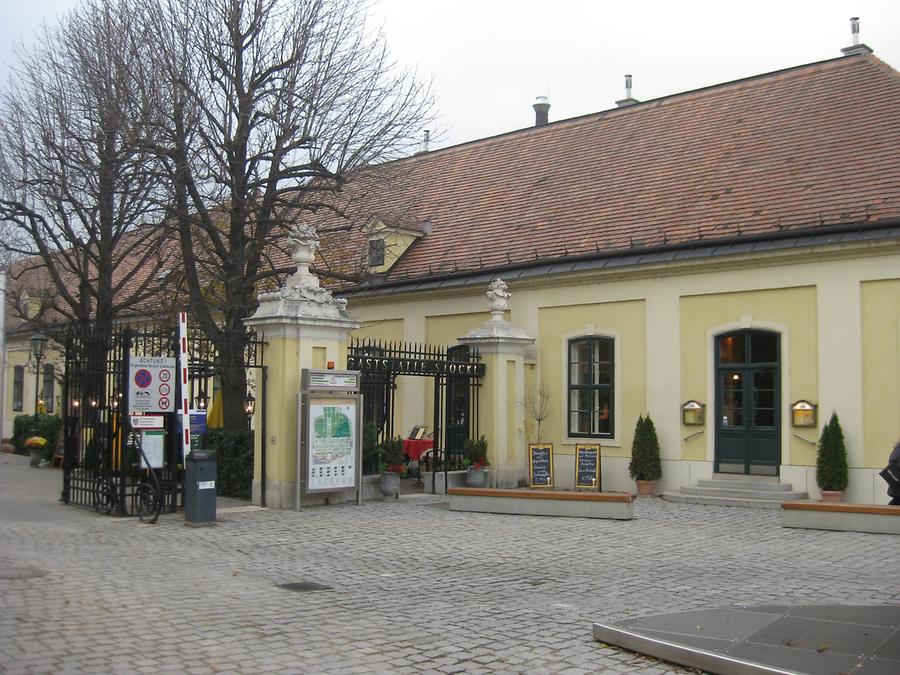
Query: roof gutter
[(816, 232)]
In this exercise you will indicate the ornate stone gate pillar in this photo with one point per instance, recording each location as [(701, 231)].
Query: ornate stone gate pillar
[(304, 326), (501, 410)]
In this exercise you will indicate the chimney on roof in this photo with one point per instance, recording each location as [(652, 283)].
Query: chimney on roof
[(857, 48), (541, 107), (426, 142), (628, 100)]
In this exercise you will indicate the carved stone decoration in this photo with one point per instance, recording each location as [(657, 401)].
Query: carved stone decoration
[(498, 297), (302, 297), (497, 328)]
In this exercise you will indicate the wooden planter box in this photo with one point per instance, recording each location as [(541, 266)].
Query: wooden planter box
[(613, 505)]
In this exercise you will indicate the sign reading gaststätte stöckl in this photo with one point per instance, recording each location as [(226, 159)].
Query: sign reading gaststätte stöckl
[(151, 384)]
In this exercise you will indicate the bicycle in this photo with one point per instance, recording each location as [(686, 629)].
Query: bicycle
[(146, 499), (106, 496)]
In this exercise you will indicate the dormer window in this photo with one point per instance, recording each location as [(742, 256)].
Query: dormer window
[(388, 243), (376, 252)]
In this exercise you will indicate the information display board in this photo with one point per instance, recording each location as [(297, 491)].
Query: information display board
[(331, 443), (587, 465), (153, 443), (151, 384), (540, 465)]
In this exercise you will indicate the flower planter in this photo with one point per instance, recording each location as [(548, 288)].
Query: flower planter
[(37, 454), (389, 485), (832, 495), (476, 476), (645, 488)]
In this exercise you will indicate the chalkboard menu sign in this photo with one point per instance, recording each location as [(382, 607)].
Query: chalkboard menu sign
[(587, 466), (540, 465)]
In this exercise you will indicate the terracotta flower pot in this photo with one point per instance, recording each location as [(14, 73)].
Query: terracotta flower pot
[(832, 495), (645, 488)]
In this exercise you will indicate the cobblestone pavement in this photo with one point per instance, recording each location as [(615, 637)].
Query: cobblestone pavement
[(413, 587)]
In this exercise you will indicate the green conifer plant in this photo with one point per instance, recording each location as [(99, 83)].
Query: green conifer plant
[(645, 462), (831, 462)]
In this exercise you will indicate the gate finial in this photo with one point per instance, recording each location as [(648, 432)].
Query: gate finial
[(498, 297)]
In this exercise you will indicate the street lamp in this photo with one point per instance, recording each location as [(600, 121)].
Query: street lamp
[(38, 344)]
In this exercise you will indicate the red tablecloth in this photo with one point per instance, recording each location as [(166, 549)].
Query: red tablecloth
[(414, 448)]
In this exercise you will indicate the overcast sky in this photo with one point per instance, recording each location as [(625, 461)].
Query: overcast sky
[(488, 59)]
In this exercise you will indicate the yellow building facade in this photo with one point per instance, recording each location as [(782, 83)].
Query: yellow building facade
[(835, 312)]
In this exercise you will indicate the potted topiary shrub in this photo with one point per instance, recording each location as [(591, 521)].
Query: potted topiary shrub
[(475, 457), (645, 466), (832, 474), (391, 459)]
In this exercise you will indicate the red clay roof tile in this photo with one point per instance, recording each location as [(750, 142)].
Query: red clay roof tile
[(810, 146)]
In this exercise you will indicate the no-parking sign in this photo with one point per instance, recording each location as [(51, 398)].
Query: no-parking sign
[(151, 387)]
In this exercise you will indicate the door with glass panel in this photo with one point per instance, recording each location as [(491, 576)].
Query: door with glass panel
[(748, 396)]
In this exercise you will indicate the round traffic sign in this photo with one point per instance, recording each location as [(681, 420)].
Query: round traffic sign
[(143, 378)]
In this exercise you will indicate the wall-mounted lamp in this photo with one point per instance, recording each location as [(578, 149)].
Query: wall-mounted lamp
[(693, 413), (804, 414), (249, 404), (202, 400)]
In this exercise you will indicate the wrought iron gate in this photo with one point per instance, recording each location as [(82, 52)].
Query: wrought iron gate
[(94, 411), (456, 373)]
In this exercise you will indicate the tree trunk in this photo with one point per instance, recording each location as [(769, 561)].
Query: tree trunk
[(234, 383)]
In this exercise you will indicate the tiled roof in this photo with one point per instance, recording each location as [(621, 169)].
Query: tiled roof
[(810, 147), (816, 145)]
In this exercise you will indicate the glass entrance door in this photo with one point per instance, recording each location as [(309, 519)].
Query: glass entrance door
[(748, 396)]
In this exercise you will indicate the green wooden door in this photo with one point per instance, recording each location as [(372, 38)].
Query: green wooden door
[(748, 397)]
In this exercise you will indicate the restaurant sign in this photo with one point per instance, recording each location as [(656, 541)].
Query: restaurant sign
[(413, 366)]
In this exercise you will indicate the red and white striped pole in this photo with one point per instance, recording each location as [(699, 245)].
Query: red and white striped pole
[(185, 389)]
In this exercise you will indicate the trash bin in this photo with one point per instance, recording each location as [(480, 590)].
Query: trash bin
[(200, 487)]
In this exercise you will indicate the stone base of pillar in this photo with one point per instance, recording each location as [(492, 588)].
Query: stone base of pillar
[(509, 477), (280, 495)]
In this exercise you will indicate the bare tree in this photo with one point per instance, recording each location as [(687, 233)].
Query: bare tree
[(75, 184), (538, 406), (267, 108)]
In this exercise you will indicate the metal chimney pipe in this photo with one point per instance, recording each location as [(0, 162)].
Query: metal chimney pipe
[(427, 141), (541, 107), (628, 86), (854, 29)]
